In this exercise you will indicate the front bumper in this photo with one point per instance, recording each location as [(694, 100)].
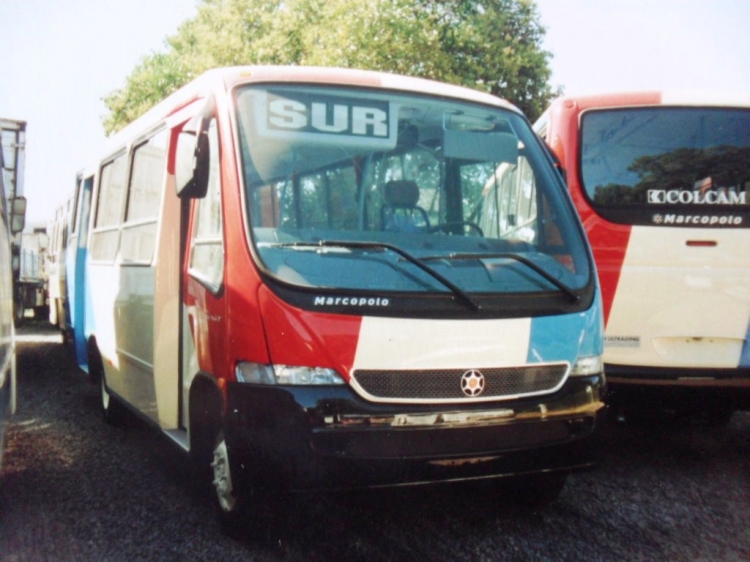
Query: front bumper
[(329, 437)]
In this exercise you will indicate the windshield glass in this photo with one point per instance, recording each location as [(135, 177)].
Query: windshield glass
[(375, 190), (667, 156)]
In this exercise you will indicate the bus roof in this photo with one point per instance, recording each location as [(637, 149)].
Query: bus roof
[(354, 77), (713, 98), (230, 77)]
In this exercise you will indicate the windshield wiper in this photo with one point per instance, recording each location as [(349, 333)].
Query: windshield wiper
[(455, 289), (570, 293)]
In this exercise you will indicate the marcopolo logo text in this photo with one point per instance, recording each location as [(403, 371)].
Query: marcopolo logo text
[(351, 301), (700, 220)]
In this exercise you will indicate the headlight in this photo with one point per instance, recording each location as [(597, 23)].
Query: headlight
[(586, 366), (286, 374)]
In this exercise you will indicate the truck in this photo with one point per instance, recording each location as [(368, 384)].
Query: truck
[(31, 283), (27, 248)]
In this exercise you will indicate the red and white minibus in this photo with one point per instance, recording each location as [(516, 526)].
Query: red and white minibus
[(325, 278), (661, 183)]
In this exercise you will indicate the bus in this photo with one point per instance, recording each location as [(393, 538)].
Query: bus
[(661, 183), (311, 278), (74, 317), (9, 225), (58, 231)]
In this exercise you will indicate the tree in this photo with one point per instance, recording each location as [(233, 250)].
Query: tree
[(490, 45)]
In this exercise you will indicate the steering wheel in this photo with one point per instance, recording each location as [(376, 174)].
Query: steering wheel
[(447, 227)]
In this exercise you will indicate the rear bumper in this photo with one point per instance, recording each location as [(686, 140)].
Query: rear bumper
[(328, 437), (671, 387)]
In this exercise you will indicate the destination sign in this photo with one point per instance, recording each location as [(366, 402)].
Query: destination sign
[(327, 119)]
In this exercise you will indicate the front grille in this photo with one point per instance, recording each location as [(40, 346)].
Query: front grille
[(445, 385)]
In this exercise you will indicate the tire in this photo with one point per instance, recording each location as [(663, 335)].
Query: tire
[(41, 312), (539, 490), (19, 308), (720, 417), (110, 408), (96, 367), (67, 338), (244, 515), (716, 417), (230, 506)]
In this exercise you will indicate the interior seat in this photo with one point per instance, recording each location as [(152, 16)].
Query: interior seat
[(400, 213)]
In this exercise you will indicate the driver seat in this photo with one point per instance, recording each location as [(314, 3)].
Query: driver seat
[(400, 213)]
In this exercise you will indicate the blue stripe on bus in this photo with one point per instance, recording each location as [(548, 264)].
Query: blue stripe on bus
[(745, 355), (552, 337)]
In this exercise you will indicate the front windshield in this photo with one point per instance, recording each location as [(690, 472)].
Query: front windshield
[(375, 190)]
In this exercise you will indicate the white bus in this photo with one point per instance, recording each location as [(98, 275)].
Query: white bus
[(662, 184)]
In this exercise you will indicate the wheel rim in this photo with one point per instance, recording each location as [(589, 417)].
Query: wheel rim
[(223, 477)]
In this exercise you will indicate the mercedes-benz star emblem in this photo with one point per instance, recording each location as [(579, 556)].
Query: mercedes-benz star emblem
[(472, 383)]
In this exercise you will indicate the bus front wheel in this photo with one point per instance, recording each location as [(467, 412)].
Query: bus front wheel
[(229, 504), (244, 514)]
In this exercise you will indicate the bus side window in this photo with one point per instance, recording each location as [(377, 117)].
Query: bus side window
[(87, 188), (110, 207), (74, 212), (207, 239), (146, 186)]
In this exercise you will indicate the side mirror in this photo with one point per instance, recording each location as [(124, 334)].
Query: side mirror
[(193, 155), (17, 214)]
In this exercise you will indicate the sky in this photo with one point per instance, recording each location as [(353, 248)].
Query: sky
[(61, 57)]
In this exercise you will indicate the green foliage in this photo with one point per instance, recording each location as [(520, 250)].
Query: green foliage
[(728, 167), (490, 45)]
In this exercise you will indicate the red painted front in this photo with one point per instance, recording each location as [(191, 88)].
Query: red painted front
[(234, 325), (225, 326), (298, 337)]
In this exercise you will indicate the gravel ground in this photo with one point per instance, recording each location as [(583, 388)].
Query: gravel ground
[(74, 488)]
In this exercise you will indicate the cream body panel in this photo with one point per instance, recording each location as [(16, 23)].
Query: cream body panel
[(678, 305), (167, 311), (123, 306), (398, 343)]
